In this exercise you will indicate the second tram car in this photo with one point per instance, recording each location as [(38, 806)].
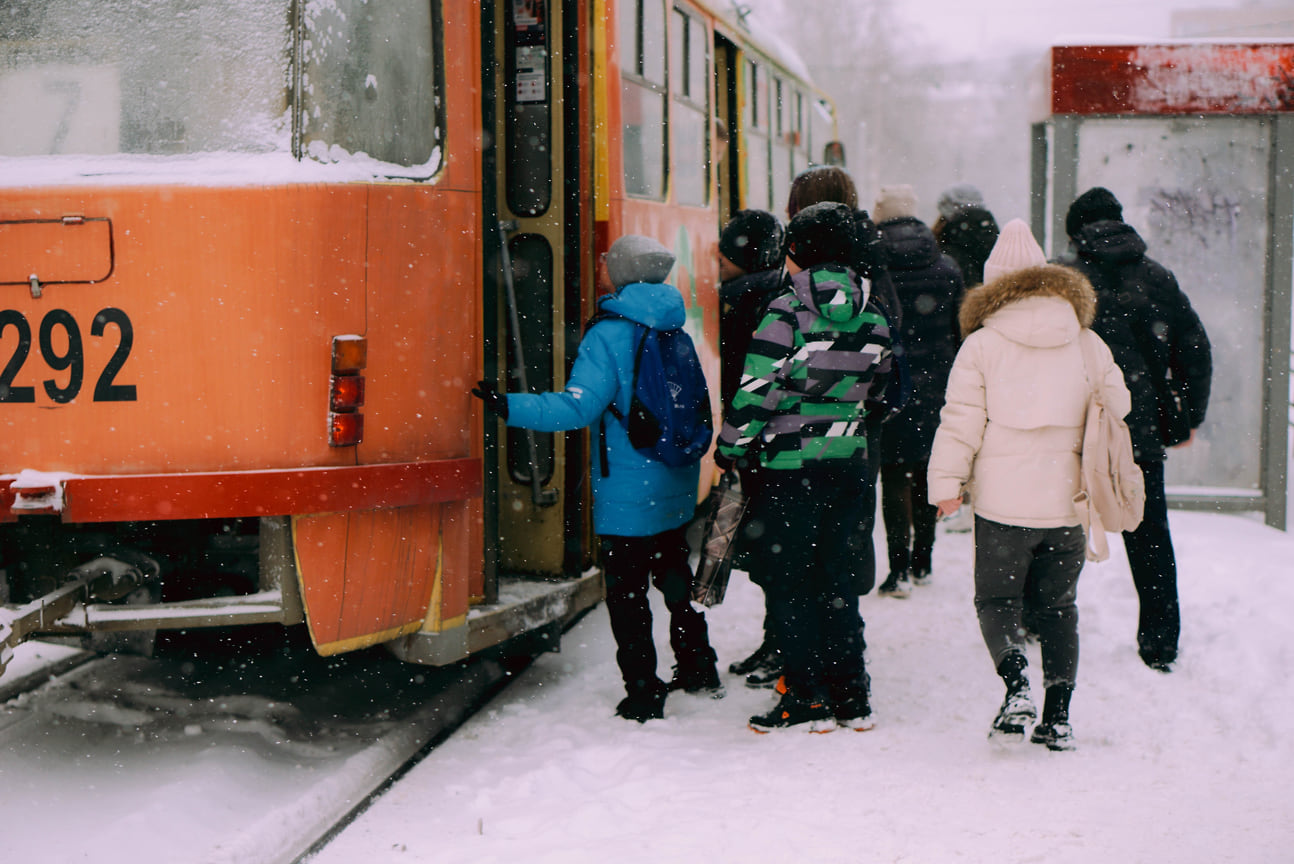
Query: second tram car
[(254, 254)]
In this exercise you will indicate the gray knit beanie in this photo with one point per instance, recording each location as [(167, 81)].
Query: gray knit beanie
[(957, 198), (635, 258)]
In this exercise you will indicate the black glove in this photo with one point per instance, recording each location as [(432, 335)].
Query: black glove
[(722, 462), (495, 402)]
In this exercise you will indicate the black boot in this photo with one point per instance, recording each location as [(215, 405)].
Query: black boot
[(645, 701), (697, 677), (1017, 709), (758, 660), (1054, 731)]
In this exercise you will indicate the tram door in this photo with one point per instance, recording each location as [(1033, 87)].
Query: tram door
[(726, 110), (541, 521)]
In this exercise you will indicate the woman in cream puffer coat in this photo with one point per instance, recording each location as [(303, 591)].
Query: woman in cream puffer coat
[(1010, 435)]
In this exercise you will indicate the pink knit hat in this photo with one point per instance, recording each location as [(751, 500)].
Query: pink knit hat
[(1015, 249)]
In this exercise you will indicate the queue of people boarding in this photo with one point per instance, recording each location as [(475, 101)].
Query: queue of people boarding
[(950, 364)]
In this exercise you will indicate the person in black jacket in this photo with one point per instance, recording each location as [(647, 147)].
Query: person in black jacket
[(966, 231), (1160, 344), (929, 288), (750, 270), (750, 267)]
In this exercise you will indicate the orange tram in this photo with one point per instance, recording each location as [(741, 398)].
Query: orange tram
[(254, 254)]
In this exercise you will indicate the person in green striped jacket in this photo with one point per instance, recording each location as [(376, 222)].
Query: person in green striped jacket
[(820, 355)]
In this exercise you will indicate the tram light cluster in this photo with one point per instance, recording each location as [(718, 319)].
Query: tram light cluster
[(346, 391)]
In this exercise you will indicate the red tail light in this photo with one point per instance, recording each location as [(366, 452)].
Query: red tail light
[(345, 430), (346, 391)]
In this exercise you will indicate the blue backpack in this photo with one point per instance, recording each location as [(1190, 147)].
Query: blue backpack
[(669, 417)]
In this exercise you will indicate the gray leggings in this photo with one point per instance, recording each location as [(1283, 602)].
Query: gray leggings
[(1034, 568)]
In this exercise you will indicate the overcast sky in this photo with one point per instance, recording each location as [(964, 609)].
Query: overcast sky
[(960, 29)]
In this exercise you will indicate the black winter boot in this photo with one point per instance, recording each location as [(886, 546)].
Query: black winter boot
[(1054, 731), (761, 657), (1017, 709), (694, 678), (646, 701)]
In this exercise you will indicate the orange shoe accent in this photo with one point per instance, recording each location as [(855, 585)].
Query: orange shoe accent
[(780, 686)]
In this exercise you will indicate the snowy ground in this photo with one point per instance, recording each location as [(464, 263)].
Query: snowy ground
[(1189, 767)]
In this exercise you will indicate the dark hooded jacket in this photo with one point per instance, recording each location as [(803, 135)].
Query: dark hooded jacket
[(871, 262), (819, 354), (742, 302), (1155, 336), (929, 290), (968, 238)]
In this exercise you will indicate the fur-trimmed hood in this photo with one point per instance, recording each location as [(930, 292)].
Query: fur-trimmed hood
[(1045, 280)]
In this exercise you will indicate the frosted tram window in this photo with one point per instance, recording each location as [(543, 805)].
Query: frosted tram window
[(152, 77), (758, 193), (689, 122), (800, 142), (369, 83), (642, 95), (781, 158)]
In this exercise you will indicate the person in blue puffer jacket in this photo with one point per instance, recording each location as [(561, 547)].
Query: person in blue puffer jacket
[(641, 506)]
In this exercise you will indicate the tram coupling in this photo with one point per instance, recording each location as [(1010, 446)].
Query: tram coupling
[(103, 579)]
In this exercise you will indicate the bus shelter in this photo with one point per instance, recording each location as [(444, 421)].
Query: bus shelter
[(1197, 142)]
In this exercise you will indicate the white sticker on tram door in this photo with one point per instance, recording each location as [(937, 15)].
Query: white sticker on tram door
[(56, 109), (531, 63)]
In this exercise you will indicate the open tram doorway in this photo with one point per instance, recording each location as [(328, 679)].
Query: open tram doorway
[(537, 272), (726, 155)]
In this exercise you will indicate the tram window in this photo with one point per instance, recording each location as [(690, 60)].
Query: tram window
[(653, 44), (781, 155), (370, 80), (642, 97), (756, 116), (800, 145), (689, 141), (154, 77), (779, 106)]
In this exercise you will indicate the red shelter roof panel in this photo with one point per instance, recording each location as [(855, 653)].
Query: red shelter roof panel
[(1185, 78)]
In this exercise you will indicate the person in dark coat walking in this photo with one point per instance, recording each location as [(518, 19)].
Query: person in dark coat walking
[(1160, 344), (750, 265), (641, 506), (965, 231), (929, 288)]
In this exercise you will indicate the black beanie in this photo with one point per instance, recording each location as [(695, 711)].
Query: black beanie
[(821, 233), (1095, 205), (752, 240)]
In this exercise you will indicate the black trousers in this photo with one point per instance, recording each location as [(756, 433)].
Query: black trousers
[(798, 527), (909, 517), (629, 564), (1037, 568), (1154, 572)]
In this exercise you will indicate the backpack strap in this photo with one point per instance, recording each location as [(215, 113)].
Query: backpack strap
[(604, 462), (1097, 547)]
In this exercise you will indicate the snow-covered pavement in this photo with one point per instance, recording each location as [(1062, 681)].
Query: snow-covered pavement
[(1189, 767)]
